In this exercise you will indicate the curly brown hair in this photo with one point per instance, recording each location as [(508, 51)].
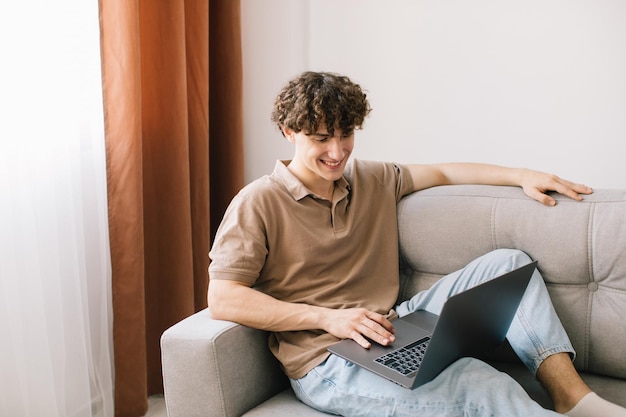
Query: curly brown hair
[(316, 98)]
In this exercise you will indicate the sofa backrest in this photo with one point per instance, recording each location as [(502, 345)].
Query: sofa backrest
[(580, 246)]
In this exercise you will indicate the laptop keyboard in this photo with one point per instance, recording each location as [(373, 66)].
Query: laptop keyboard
[(407, 359)]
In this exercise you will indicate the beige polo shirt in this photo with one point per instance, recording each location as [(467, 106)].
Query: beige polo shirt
[(283, 240)]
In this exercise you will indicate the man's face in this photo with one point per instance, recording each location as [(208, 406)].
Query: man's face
[(320, 156)]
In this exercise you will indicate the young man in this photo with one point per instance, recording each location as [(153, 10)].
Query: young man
[(310, 254)]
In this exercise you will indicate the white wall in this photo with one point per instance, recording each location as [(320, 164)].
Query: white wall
[(534, 83)]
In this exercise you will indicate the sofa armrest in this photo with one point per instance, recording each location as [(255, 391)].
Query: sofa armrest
[(216, 368)]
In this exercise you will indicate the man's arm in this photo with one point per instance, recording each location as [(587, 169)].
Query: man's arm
[(235, 301), (534, 183)]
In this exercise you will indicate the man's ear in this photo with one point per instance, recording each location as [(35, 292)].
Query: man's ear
[(289, 134)]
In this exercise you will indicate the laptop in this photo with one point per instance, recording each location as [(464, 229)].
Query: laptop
[(471, 323)]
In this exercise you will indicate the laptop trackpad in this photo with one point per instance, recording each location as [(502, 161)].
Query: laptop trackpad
[(422, 319)]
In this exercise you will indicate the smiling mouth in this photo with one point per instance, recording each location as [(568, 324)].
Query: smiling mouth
[(331, 164)]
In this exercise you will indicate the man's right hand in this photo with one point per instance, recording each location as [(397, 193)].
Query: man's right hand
[(359, 324)]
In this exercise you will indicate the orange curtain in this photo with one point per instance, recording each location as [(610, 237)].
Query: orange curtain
[(172, 82)]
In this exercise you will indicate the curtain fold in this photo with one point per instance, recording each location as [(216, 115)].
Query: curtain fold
[(226, 119), (158, 114)]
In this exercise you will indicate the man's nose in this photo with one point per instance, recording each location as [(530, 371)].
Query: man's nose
[(334, 148)]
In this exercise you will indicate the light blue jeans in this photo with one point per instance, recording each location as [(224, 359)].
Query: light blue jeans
[(468, 387)]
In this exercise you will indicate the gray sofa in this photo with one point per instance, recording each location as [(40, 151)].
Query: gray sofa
[(218, 368)]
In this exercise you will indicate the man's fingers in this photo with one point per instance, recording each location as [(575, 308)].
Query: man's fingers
[(537, 184), (374, 330), (357, 337), (380, 320), (540, 196)]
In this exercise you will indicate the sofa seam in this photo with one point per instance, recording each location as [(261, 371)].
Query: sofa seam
[(590, 302), (494, 235)]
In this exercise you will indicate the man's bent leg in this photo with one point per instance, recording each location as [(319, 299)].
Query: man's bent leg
[(468, 387), (536, 332)]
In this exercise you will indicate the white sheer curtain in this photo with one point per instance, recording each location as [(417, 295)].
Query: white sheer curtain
[(55, 290)]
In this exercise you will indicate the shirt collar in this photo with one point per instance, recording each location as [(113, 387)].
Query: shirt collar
[(295, 187)]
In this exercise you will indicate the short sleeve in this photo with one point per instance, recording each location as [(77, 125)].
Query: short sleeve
[(239, 249)]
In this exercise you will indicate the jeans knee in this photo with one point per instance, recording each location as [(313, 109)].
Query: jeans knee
[(482, 374), (475, 367), (473, 375), (516, 257)]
